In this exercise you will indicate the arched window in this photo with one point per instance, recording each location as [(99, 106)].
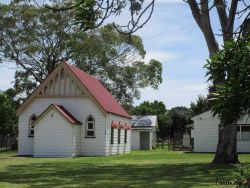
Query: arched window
[(31, 126), (90, 127)]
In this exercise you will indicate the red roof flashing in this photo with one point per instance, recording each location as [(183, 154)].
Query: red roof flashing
[(99, 92)]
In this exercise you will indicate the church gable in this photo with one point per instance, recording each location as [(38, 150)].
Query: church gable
[(69, 81), (61, 84)]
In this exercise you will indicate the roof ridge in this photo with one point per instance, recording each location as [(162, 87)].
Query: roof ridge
[(99, 92)]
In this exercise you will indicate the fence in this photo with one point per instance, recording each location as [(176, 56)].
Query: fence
[(8, 142), (162, 144), (175, 144)]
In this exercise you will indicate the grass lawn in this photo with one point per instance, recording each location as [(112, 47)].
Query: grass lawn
[(158, 168)]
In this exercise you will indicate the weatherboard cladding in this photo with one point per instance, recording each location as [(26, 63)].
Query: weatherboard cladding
[(99, 92), (66, 114), (63, 112)]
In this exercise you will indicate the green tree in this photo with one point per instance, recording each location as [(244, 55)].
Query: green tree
[(12, 94), (7, 115), (199, 106), (227, 13), (107, 54), (150, 108), (180, 117), (90, 14), (37, 39), (231, 98)]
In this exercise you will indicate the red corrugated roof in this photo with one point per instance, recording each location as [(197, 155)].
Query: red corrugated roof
[(99, 92)]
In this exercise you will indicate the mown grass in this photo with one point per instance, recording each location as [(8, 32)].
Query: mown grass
[(157, 168)]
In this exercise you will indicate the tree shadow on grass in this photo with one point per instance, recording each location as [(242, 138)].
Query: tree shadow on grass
[(60, 174)]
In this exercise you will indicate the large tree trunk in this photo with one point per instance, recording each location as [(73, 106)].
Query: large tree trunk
[(202, 18), (227, 145)]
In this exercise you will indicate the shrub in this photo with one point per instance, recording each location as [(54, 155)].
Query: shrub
[(242, 174)]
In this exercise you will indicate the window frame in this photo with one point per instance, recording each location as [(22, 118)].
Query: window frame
[(240, 132), (87, 127), (31, 129)]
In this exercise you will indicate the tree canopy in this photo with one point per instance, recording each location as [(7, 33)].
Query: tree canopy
[(180, 116), (199, 106), (231, 98), (90, 14), (37, 39), (150, 108), (7, 115)]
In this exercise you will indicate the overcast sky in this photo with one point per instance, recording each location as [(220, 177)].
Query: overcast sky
[(173, 38)]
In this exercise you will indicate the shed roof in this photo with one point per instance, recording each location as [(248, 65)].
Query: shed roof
[(144, 121)]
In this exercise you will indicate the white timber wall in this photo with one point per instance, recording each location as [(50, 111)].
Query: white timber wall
[(127, 147), (77, 139), (25, 143), (79, 108), (115, 148), (54, 136), (93, 146), (135, 138), (206, 133), (63, 85)]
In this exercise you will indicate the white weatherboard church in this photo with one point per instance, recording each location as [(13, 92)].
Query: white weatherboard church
[(72, 114)]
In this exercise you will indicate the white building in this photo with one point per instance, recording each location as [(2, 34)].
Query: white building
[(143, 132), (72, 114), (205, 133)]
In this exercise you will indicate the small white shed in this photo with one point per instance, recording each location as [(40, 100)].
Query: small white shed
[(143, 135), (205, 133)]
